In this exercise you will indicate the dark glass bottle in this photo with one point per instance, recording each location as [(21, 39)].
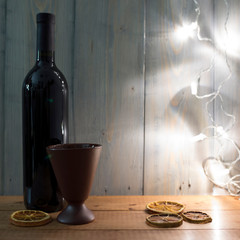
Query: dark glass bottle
[(45, 120)]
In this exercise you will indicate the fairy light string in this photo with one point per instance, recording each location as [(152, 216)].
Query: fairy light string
[(219, 132)]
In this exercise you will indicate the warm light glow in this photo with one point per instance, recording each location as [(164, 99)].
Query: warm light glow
[(225, 44), (229, 42), (219, 130), (186, 31), (216, 172), (178, 140)]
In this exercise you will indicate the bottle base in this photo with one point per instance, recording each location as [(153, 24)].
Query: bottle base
[(32, 203)]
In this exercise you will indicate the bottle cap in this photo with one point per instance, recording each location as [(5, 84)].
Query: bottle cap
[(45, 18)]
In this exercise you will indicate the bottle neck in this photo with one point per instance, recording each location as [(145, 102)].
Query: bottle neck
[(45, 42), (45, 56)]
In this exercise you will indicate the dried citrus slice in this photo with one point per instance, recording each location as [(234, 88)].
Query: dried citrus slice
[(196, 217), (30, 218), (164, 220), (165, 207)]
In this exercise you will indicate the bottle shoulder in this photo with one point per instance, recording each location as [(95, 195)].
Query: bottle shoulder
[(45, 74)]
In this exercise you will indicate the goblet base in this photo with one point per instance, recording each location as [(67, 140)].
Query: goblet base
[(76, 214)]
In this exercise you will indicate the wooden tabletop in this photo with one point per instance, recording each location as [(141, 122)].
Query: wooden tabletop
[(123, 217)]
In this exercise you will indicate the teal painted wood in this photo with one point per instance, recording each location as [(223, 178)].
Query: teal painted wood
[(20, 58), (65, 52), (2, 75), (15, 61), (108, 90)]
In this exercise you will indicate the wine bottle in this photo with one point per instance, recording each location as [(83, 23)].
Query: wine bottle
[(45, 120)]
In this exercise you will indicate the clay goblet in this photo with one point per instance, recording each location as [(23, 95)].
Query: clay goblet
[(74, 165)]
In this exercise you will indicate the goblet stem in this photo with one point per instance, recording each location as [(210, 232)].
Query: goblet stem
[(76, 214)]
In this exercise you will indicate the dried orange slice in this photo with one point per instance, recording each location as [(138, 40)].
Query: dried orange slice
[(30, 218), (165, 207), (196, 217), (164, 220)]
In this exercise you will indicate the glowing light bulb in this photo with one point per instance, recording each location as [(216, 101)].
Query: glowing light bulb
[(229, 43), (222, 132), (186, 31), (199, 137), (194, 86)]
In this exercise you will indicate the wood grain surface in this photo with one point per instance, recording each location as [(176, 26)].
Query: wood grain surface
[(123, 217)]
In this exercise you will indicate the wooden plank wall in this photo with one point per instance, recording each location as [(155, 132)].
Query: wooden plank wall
[(108, 91), (231, 88), (2, 77), (129, 80), (173, 164)]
